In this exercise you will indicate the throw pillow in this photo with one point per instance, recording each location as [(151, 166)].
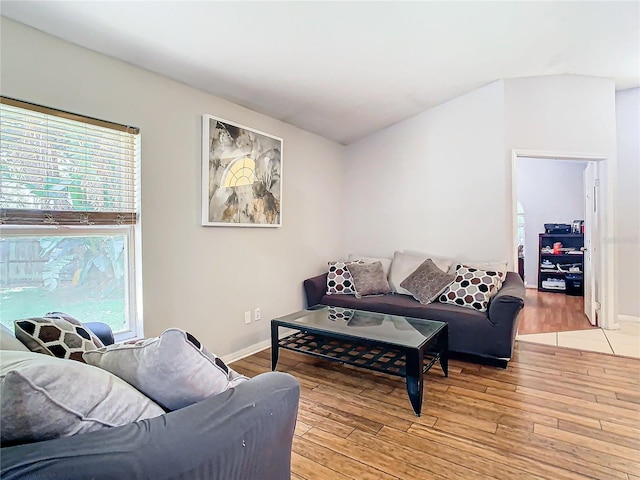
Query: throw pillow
[(471, 288), (427, 282), (8, 341), (486, 266), (43, 397), (339, 280), (94, 338), (369, 279), (175, 369), (386, 262), (443, 263), (405, 264), (54, 336)]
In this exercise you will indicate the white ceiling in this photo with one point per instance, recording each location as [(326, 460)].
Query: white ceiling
[(344, 70)]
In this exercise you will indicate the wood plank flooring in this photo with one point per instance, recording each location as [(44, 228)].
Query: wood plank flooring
[(552, 312), (553, 414)]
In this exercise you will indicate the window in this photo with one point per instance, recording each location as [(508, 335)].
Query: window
[(69, 209)]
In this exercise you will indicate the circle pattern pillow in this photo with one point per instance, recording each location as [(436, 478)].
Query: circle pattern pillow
[(339, 279), (472, 288)]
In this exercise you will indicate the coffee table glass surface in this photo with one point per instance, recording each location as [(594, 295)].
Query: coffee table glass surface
[(361, 325)]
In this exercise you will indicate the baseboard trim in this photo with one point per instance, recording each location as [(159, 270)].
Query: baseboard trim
[(246, 352), (251, 349), (628, 318)]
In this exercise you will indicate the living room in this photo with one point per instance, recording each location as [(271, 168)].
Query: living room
[(424, 184)]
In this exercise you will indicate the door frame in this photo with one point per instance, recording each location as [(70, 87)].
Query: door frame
[(608, 312)]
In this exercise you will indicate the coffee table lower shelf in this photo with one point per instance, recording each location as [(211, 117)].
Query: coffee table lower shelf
[(368, 355), (371, 357)]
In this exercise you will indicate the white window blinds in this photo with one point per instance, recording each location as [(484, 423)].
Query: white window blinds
[(58, 168)]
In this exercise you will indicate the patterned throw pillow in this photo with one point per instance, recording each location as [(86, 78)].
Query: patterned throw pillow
[(427, 282), (96, 341), (43, 397), (472, 288), (369, 279), (175, 370), (339, 280), (55, 336)]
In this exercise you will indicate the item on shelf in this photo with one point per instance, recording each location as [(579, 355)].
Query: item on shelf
[(574, 285), (554, 284), (556, 248), (557, 228), (577, 226)]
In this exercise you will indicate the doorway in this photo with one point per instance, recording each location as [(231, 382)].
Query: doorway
[(566, 311), (551, 211)]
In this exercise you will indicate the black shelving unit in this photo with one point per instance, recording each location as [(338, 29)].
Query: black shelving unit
[(554, 264)]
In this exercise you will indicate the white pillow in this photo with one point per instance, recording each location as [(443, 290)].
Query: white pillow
[(405, 264), (174, 369), (9, 342), (386, 262), (443, 263), (486, 266), (44, 397)]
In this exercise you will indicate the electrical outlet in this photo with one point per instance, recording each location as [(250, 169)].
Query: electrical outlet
[(256, 314), (247, 317)]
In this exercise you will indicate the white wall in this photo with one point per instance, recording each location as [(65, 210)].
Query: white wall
[(441, 182), (561, 113), (574, 115), (198, 278), (627, 239), (432, 183), (550, 191)]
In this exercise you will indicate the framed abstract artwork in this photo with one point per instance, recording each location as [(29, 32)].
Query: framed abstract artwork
[(241, 175)]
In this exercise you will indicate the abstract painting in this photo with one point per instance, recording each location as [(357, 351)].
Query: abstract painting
[(241, 175)]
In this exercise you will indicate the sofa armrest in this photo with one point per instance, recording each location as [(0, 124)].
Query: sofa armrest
[(507, 303), (244, 433), (102, 331), (315, 288)]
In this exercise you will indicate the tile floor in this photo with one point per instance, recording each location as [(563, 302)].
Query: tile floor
[(624, 342)]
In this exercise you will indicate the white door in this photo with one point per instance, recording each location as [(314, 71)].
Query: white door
[(590, 240)]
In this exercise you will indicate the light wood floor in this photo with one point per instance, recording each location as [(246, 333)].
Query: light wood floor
[(552, 414), (552, 312)]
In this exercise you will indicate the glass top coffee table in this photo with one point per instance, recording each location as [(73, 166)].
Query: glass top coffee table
[(401, 346)]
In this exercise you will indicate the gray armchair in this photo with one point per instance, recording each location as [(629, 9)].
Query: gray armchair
[(244, 433)]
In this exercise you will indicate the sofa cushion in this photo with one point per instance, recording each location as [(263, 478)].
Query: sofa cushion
[(339, 280), (43, 397), (174, 369), (427, 282), (55, 336), (404, 264), (472, 288), (369, 279), (8, 341)]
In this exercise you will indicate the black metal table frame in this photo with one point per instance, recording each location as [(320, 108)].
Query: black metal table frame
[(434, 349)]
